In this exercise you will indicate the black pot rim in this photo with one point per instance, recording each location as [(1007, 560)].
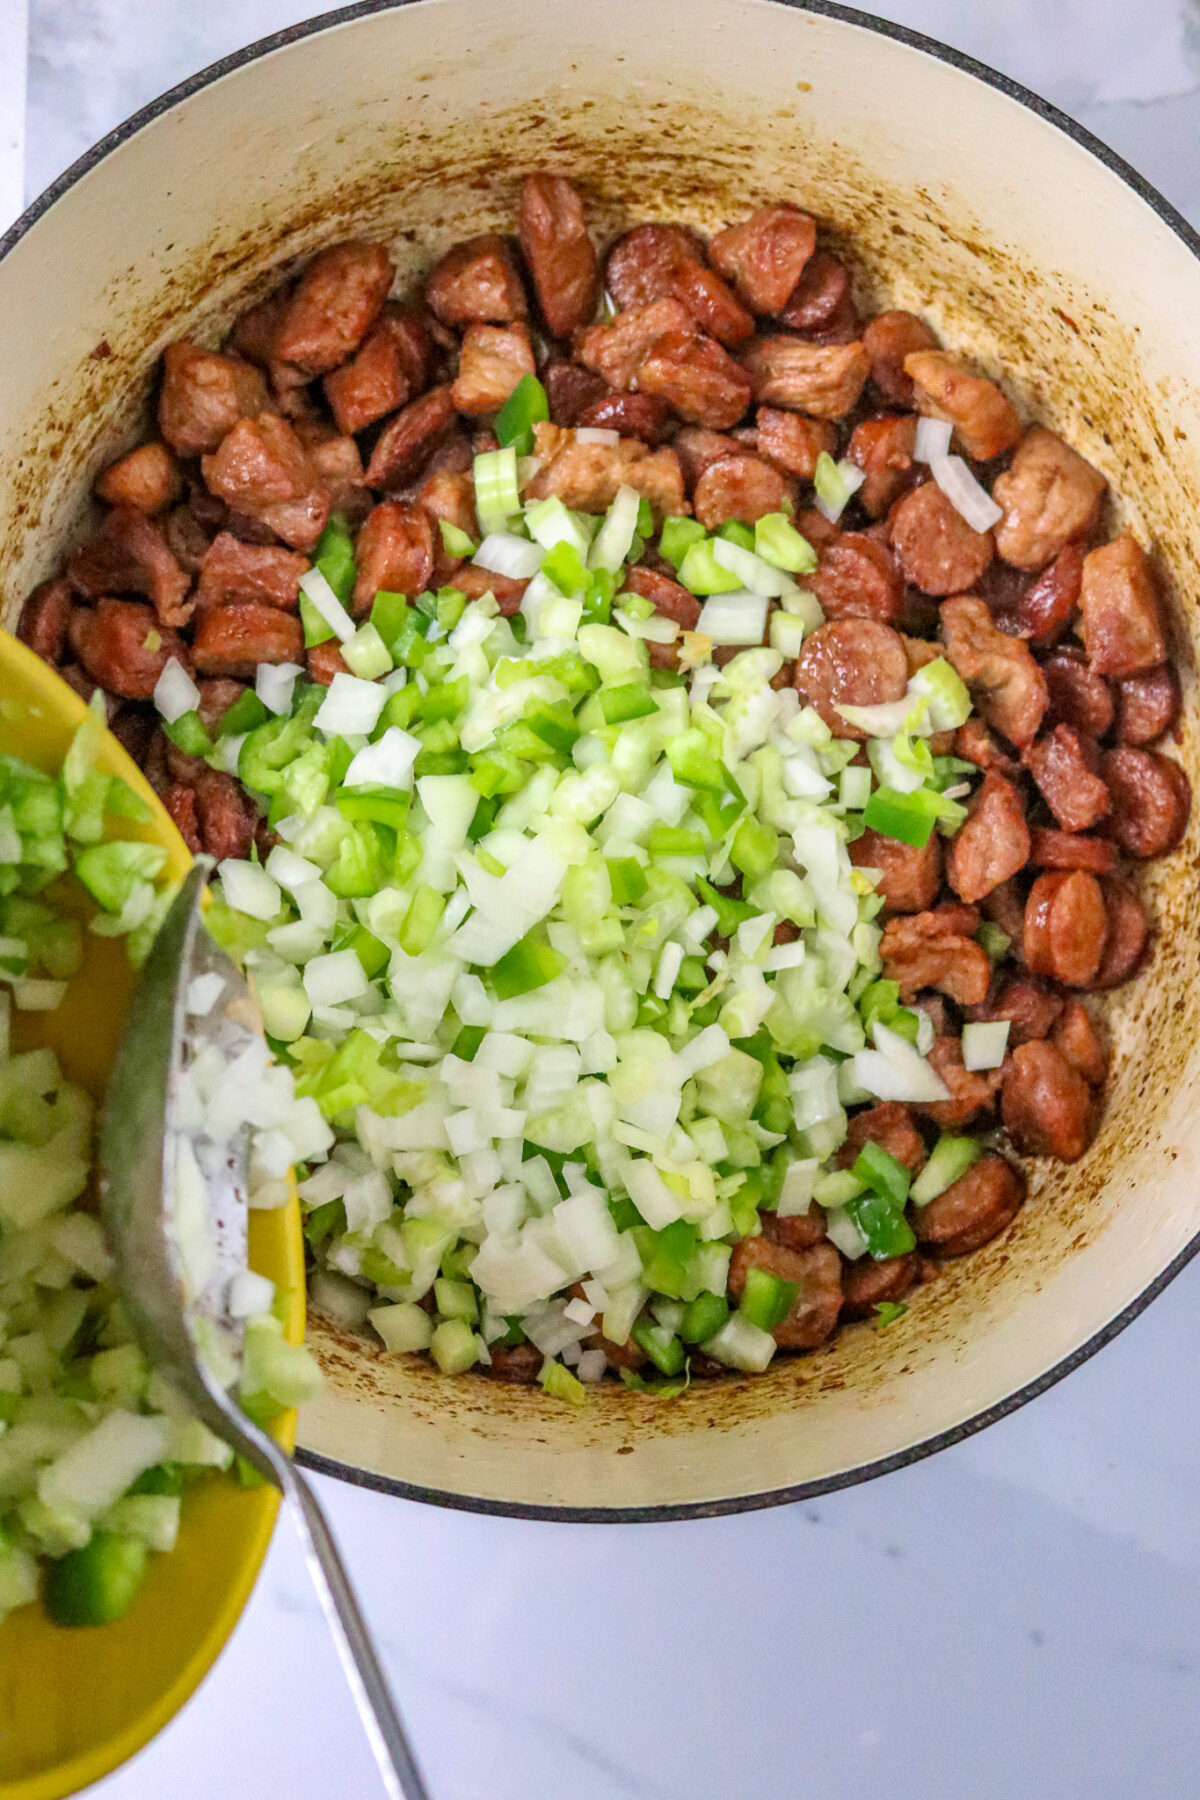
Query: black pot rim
[(914, 1453)]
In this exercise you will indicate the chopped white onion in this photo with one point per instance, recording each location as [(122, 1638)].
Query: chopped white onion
[(333, 978), (969, 499), (351, 707), (503, 553), (736, 618), (985, 1045), (249, 889), (896, 1070), (933, 439), (318, 593), (249, 1293), (615, 537), (388, 763), (596, 434), (273, 683), (175, 693)]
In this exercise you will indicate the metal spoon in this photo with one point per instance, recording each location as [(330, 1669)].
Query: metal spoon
[(139, 1148)]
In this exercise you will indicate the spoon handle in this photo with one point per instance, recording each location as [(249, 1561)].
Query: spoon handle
[(402, 1778)]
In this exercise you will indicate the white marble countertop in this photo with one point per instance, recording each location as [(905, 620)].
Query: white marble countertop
[(1019, 1616)]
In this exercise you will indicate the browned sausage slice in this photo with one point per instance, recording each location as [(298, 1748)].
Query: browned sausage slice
[(820, 300), (992, 845), (851, 662), (890, 1126), (935, 547), (972, 1210), (1071, 850), (1128, 936), (1065, 924), (1047, 1106), (409, 440), (743, 488), (909, 876), (1064, 766), (1031, 1007), (867, 1284), (818, 1275), (1151, 799), (1122, 624), (798, 1232), (1050, 497), (857, 579), (1080, 1039), (642, 416), (1078, 696), (1044, 610), (1148, 705), (44, 620), (559, 252)]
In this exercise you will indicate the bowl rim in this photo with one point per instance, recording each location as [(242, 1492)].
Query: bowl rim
[(1174, 220)]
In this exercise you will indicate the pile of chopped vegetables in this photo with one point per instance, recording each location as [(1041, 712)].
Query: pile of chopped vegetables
[(497, 939), (95, 1447)]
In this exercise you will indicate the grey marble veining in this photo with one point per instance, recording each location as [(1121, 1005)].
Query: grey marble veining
[(1015, 1619)]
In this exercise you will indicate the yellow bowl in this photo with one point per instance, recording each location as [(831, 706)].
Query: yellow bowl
[(76, 1703)]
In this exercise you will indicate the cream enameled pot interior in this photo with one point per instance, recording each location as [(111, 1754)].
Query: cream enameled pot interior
[(1025, 251)]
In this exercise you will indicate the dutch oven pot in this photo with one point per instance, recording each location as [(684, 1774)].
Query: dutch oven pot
[(1029, 248)]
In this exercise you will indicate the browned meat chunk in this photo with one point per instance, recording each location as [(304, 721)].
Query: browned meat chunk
[(890, 1126), (1005, 682), (263, 469), (408, 441), (936, 548), (477, 282), (992, 845), (1005, 907), (975, 743), (656, 262), (147, 479), (514, 1362), (741, 487), (392, 365), (798, 1232), (45, 617), (985, 423), (1148, 705), (324, 661), (1047, 1106), (1065, 924), (792, 440), (1127, 939), (123, 646), (937, 949), (394, 553), (1078, 697), (234, 639), (817, 1274), (851, 662), (642, 416), (225, 818), (1064, 766), (1071, 850), (180, 803), (909, 876), (1030, 1006), (1044, 610), (560, 254), (204, 395), (256, 328), (130, 555), (1050, 496), (616, 351), (231, 570), (669, 598), (883, 450), (972, 1091), (824, 380), (216, 698), (1122, 625), (493, 360), (337, 466), (857, 579), (505, 589), (335, 303), (571, 390), (586, 476), (450, 498), (764, 256), (1082, 1043), (697, 450), (1151, 798), (888, 339), (867, 1285), (697, 378), (972, 1210)]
